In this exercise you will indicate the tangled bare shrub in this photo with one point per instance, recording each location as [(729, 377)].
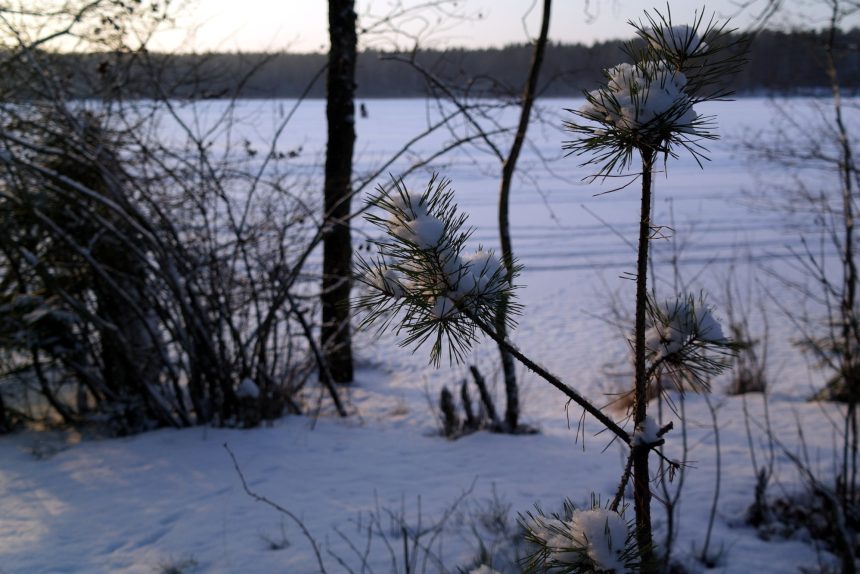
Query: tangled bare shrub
[(153, 272)]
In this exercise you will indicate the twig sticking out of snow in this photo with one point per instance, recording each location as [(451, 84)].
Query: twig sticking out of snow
[(259, 498)]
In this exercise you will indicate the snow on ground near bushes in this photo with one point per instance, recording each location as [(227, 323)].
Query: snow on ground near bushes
[(133, 505), (173, 498)]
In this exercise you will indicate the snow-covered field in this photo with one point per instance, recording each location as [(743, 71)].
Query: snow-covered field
[(173, 499)]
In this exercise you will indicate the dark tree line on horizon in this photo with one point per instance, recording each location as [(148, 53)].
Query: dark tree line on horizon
[(781, 62)]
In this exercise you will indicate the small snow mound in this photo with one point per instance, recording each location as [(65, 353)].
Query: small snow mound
[(248, 389)]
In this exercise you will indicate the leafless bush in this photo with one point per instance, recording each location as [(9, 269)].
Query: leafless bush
[(820, 198), (154, 262), (749, 374)]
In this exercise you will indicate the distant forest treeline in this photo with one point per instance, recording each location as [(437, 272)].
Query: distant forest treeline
[(785, 62)]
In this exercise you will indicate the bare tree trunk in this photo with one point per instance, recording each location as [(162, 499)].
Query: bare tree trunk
[(337, 244), (512, 410), (5, 426)]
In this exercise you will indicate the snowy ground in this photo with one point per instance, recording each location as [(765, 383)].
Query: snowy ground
[(173, 499)]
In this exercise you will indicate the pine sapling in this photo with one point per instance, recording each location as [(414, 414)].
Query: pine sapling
[(645, 111)]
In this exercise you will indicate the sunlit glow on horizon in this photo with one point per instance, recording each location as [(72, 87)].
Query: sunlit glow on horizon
[(302, 26)]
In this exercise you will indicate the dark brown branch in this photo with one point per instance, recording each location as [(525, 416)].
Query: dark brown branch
[(640, 453), (589, 407)]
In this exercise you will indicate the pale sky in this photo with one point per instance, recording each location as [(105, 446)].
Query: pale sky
[(301, 25)]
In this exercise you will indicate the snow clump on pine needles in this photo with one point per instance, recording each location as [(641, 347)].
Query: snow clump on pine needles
[(638, 97), (592, 540), (680, 323)]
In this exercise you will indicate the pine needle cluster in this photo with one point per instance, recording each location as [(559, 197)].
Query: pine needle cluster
[(421, 282), (580, 541), (686, 343), (648, 104)]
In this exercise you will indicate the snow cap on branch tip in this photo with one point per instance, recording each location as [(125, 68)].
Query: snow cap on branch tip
[(425, 231), (478, 273), (647, 96), (386, 279), (421, 271), (709, 329), (647, 432), (444, 308), (603, 534), (411, 203), (647, 106), (681, 322), (594, 540), (554, 535), (681, 39)]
